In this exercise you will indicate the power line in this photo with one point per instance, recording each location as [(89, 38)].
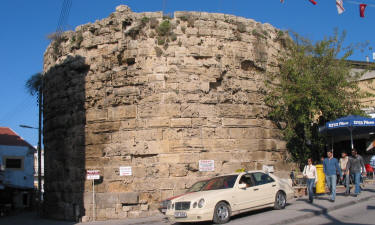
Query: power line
[(63, 18)]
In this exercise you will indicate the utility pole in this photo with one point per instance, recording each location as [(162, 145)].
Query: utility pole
[(40, 149)]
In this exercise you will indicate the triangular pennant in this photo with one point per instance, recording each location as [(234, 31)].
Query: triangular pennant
[(340, 6), (362, 8), (313, 2), (282, 1)]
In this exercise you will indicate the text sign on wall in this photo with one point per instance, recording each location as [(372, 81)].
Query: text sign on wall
[(125, 171), (206, 165), (268, 169), (93, 174)]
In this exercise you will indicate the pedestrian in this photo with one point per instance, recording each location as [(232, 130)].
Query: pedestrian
[(322, 160), (355, 166), (372, 162), (309, 172), (331, 168), (343, 163)]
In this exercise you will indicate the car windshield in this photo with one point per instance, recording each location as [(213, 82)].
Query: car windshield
[(197, 186), (220, 183)]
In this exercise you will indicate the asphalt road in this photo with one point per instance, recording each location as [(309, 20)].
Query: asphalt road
[(346, 210), (361, 213)]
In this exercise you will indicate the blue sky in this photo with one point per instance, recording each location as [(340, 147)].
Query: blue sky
[(25, 24)]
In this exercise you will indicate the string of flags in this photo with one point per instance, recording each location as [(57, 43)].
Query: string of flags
[(340, 6)]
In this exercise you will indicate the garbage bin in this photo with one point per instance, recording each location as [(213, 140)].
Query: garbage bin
[(321, 184)]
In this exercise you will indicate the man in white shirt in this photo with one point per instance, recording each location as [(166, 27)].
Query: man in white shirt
[(309, 172)]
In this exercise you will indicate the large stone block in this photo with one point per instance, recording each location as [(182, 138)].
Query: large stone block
[(106, 200), (122, 112), (180, 122), (128, 198)]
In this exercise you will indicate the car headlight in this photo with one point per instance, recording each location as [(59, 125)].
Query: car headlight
[(201, 203), (195, 205)]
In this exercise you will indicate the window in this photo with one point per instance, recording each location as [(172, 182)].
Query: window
[(247, 179), (14, 163), (262, 178), (220, 183)]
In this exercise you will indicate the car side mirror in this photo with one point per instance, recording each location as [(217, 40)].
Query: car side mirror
[(242, 186)]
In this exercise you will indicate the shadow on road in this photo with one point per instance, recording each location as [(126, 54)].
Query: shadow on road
[(31, 218)]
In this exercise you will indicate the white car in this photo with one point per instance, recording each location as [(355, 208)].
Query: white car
[(228, 195)]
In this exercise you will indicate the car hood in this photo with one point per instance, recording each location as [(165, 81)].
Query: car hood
[(200, 194), (173, 197)]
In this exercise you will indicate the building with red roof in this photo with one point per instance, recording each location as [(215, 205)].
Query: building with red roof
[(17, 168)]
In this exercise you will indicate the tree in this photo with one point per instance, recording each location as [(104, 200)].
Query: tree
[(34, 85), (315, 85)]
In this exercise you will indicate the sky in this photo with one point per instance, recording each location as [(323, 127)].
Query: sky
[(24, 26)]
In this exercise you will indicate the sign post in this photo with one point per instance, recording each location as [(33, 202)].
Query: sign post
[(93, 175)]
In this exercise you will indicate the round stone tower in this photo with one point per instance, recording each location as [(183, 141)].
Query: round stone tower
[(142, 98)]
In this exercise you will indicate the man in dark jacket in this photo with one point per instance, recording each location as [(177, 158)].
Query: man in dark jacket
[(331, 168), (355, 164)]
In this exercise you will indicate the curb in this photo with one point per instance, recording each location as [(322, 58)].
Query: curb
[(324, 211), (147, 221)]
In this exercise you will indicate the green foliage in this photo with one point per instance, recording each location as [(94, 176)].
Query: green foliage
[(164, 28), (184, 18), (145, 20), (161, 40), (314, 86)]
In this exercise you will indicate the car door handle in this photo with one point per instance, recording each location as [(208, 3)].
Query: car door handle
[(274, 185), (255, 189)]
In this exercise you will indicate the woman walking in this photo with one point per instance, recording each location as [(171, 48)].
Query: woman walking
[(309, 172)]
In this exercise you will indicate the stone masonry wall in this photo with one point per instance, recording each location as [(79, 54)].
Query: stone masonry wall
[(135, 90)]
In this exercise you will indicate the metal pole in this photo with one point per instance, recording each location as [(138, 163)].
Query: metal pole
[(351, 138), (40, 150), (93, 201)]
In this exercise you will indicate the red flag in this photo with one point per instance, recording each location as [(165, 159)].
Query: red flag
[(313, 2), (362, 8), (282, 1)]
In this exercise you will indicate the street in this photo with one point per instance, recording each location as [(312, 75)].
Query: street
[(362, 213), (346, 210)]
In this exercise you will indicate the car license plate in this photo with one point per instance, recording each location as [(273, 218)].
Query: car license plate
[(180, 214)]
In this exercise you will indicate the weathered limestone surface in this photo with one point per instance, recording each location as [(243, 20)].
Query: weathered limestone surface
[(120, 93)]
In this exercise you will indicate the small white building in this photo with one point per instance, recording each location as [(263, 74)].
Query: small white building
[(17, 163)]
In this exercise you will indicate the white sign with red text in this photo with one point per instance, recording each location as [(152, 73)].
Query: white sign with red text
[(93, 174), (125, 171), (206, 165)]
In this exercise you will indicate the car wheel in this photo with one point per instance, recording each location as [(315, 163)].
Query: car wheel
[(222, 213), (280, 200)]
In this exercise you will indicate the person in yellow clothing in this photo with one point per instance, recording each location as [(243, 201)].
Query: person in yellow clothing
[(309, 172)]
